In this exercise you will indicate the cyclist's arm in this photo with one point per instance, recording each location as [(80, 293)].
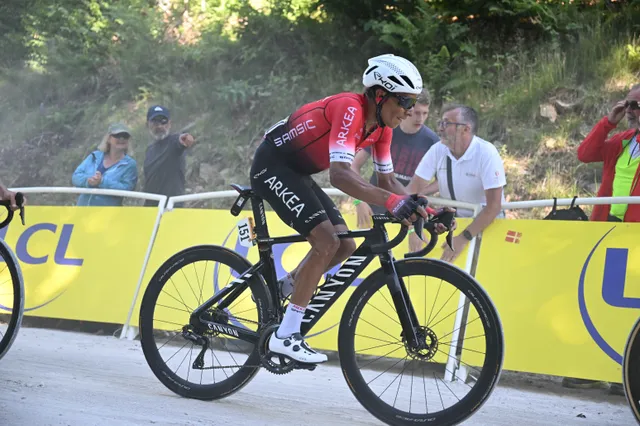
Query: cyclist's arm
[(346, 180), (389, 182), (383, 164)]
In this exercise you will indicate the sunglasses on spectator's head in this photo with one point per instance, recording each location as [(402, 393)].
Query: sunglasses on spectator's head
[(633, 105), (160, 120), (405, 102), (122, 136)]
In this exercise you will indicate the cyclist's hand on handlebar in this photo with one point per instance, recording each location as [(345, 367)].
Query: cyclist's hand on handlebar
[(11, 196), (404, 207), (440, 228)]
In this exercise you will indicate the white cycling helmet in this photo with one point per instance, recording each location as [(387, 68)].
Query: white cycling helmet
[(394, 73)]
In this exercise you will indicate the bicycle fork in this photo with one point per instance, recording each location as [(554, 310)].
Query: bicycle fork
[(401, 301)]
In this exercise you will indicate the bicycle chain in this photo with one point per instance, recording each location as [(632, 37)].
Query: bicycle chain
[(235, 366)]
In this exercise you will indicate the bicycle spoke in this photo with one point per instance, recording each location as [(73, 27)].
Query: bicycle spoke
[(189, 283), (454, 312), (380, 346), (373, 338), (401, 374), (451, 332), (434, 300), (445, 304), (386, 315), (376, 327), (379, 358)]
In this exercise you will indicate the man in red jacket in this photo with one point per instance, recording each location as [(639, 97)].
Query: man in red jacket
[(620, 175), (621, 157)]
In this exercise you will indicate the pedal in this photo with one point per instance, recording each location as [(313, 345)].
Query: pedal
[(305, 366)]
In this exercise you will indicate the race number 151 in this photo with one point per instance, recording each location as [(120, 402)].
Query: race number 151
[(244, 233)]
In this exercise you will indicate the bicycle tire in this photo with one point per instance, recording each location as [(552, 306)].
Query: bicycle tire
[(631, 370), (17, 308), (492, 366), (171, 380)]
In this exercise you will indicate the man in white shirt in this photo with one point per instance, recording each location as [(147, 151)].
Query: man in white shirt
[(466, 164)]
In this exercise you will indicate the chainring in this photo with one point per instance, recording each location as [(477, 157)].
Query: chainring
[(285, 364)]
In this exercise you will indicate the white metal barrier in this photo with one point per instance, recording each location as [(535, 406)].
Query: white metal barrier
[(453, 367), (161, 199)]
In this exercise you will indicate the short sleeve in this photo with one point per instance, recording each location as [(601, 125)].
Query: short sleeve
[(493, 170), (346, 118), (382, 162)]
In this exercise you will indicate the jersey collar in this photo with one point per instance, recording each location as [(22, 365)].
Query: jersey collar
[(469, 153)]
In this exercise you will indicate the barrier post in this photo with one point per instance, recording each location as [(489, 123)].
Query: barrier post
[(127, 331), (457, 335)]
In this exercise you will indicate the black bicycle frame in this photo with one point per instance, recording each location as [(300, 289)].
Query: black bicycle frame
[(376, 244)]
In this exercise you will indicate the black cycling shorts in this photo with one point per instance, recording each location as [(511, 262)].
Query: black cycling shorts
[(296, 198)]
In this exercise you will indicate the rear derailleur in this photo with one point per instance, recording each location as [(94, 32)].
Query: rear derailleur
[(199, 340)]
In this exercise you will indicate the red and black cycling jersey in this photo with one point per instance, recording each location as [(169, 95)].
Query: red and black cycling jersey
[(329, 130)]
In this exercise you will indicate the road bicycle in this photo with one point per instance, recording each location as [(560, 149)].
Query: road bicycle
[(208, 347), (11, 284), (631, 370)]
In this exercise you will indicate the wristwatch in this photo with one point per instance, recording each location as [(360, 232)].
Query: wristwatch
[(467, 235)]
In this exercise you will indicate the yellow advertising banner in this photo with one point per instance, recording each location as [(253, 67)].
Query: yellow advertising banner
[(567, 293), (182, 228), (81, 263)]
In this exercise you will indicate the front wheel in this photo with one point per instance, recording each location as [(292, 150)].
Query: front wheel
[(457, 362), (631, 370), (11, 298)]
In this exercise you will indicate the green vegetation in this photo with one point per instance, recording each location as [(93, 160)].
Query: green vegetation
[(541, 73)]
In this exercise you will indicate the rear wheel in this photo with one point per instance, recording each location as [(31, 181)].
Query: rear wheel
[(174, 349), (455, 368), (631, 370), (11, 298)]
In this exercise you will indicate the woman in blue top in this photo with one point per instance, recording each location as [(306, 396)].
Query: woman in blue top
[(109, 168)]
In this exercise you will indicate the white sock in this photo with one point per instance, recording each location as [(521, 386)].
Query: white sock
[(287, 286), (291, 322)]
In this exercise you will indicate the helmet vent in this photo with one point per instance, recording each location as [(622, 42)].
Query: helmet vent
[(395, 80), (371, 69), (405, 78)]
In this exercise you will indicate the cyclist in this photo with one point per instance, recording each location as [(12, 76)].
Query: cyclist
[(326, 134)]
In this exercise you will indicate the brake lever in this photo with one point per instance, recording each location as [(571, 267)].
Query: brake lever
[(446, 218), (20, 203)]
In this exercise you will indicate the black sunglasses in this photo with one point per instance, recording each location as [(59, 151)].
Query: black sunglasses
[(405, 102), (160, 120), (122, 136), (633, 105)]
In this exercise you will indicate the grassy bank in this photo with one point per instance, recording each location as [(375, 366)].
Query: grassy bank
[(536, 104)]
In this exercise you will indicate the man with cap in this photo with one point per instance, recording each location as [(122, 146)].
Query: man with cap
[(165, 159)]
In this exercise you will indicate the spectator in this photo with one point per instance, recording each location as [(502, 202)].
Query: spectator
[(109, 167), (620, 156), (165, 159), (467, 169), (411, 140)]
